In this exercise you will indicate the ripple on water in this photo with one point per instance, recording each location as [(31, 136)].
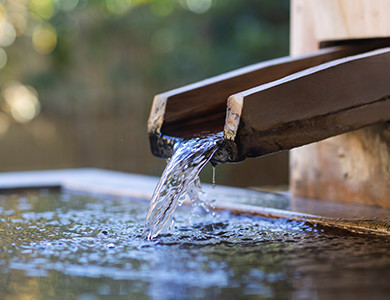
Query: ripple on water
[(79, 243)]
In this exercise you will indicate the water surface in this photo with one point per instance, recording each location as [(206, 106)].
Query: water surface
[(66, 246)]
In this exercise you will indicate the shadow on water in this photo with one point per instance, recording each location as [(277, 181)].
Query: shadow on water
[(65, 246)]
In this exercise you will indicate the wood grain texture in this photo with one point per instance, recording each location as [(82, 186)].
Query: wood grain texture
[(349, 168), (325, 20), (321, 104), (201, 107), (313, 104), (352, 167)]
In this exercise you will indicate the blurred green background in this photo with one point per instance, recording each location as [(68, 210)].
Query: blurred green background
[(77, 77)]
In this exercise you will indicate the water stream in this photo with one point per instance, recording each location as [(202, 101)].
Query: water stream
[(179, 181)]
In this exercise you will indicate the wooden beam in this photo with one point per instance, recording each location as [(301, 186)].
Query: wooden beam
[(311, 105), (313, 22), (201, 107)]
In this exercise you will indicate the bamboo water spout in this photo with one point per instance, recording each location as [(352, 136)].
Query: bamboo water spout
[(279, 104)]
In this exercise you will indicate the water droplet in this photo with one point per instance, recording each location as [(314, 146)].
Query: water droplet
[(213, 180)]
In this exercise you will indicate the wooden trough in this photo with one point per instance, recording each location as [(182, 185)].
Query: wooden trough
[(289, 102)]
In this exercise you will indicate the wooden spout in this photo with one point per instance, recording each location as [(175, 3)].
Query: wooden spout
[(279, 104), (311, 105)]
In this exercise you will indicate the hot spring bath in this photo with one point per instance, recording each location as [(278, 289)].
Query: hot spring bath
[(75, 246)]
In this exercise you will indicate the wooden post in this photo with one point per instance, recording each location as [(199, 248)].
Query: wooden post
[(352, 167)]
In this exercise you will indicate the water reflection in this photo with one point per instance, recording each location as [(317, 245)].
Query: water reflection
[(78, 247)]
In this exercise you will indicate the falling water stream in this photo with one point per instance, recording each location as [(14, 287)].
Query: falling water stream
[(179, 181)]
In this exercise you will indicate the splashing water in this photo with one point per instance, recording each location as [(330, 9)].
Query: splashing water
[(178, 181)]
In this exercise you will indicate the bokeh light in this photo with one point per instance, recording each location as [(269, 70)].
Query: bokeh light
[(3, 13), (21, 102), (18, 14), (162, 8), (97, 64), (44, 9), (199, 6), (118, 7), (19, 22), (44, 38), (7, 34)]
